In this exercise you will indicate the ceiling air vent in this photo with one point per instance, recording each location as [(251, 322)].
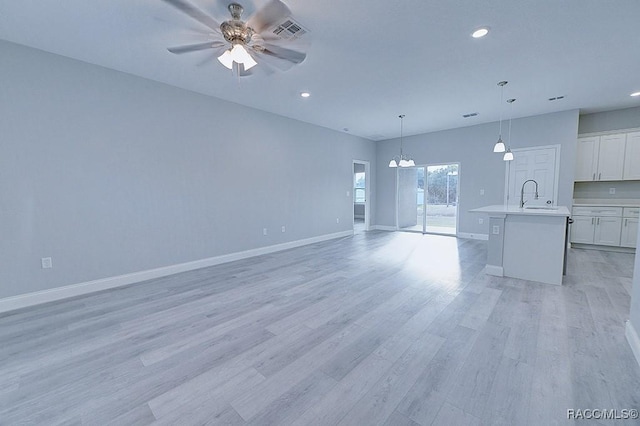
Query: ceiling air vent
[(472, 114), (557, 98), (289, 29)]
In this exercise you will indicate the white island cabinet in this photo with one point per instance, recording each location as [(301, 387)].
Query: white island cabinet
[(526, 243)]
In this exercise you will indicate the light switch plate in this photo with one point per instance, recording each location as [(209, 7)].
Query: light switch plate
[(612, 191), (496, 230), (47, 263)]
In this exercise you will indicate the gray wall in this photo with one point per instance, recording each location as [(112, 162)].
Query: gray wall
[(110, 174), (624, 190), (628, 118), (480, 168)]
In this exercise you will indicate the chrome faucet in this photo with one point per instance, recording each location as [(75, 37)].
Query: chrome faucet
[(522, 191)]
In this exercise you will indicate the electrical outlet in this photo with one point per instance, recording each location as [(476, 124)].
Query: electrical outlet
[(264, 231), (283, 228), (47, 263), (482, 192), (481, 221), (612, 191), (337, 220), (496, 230), (348, 193)]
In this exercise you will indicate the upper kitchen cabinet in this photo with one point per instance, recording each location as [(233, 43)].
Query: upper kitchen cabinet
[(587, 158), (608, 157), (611, 157), (632, 157)]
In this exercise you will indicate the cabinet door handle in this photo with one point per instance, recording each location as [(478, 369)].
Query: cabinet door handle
[(593, 220), (594, 177), (625, 222), (599, 176), (598, 221)]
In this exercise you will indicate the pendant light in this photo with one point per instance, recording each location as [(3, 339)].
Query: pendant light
[(499, 146), (508, 155), (401, 160)]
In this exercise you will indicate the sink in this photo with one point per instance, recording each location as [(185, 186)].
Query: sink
[(540, 208)]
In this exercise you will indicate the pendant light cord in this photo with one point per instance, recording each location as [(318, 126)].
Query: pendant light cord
[(511, 101), (501, 84), (401, 133)]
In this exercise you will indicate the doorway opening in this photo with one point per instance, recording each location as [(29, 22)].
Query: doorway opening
[(428, 199), (361, 192)]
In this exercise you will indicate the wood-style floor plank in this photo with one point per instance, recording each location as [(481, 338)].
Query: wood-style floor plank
[(379, 328)]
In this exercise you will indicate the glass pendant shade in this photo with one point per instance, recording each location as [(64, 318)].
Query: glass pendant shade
[(239, 55), (499, 146), (508, 155), (393, 163)]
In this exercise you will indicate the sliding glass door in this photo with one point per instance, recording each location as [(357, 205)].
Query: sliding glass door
[(428, 199)]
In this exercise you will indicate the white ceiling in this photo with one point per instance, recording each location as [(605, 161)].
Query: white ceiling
[(370, 60)]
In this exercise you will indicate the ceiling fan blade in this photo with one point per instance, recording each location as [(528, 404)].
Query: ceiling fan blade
[(272, 62), (212, 56), (195, 13), (195, 47), (292, 56), (268, 16)]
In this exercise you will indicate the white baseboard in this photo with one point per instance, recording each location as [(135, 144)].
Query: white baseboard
[(633, 339), (45, 296), (384, 228), (483, 237), (497, 271)]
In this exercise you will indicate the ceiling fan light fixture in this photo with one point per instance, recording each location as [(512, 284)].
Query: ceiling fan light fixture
[(239, 55), (226, 59)]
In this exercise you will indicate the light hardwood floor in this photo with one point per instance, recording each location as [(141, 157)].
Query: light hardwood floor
[(376, 329)]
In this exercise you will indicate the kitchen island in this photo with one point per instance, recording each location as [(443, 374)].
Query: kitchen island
[(526, 243)]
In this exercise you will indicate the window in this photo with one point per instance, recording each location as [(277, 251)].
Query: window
[(359, 187)]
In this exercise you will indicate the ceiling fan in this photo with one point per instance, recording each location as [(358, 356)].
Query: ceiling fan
[(240, 45)]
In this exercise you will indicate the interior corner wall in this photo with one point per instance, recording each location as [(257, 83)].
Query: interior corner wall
[(480, 167), (110, 174)]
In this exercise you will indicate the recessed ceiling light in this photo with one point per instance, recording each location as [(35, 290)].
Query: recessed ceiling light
[(305, 94), (480, 32), (635, 94)]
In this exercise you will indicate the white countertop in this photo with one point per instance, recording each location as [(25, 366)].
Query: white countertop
[(600, 202), (501, 209)]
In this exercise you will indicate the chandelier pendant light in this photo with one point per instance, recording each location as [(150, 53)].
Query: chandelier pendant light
[(401, 160), (508, 155), (499, 146)]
